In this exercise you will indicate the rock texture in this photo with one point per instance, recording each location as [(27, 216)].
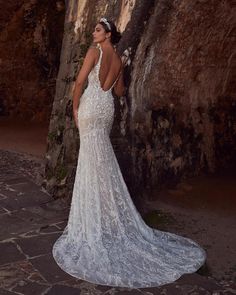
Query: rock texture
[(178, 117), (30, 41), (183, 89)]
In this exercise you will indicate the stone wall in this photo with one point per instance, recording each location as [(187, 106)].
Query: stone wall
[(183, 91), (30, 43), (177, 119)]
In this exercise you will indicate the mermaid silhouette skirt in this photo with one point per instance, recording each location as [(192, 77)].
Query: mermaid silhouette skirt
[(106, 241)]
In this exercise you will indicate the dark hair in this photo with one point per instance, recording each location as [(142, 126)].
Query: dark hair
[(115, 35)]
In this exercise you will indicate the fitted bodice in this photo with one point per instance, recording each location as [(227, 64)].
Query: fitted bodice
[(93, 78), (96, 108)]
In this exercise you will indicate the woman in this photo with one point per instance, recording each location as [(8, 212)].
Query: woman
[(106, 240)]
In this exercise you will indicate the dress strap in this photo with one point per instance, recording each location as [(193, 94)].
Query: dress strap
[(116, 79), (99, 64), (100, 56)]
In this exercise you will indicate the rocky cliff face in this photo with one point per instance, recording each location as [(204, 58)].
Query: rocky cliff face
[(30, 42), (178, 117), (183, 89)]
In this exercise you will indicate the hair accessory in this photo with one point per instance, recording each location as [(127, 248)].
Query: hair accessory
[(105, 21)]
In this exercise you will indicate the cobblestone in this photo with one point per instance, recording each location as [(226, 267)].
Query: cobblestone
[(31, 220)]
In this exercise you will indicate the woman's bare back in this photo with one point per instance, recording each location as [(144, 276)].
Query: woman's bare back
[(109, 68)]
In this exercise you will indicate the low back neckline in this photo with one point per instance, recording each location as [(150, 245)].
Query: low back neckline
[(98, 71)]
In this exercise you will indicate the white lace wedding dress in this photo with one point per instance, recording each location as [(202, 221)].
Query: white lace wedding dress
[(106, 240)]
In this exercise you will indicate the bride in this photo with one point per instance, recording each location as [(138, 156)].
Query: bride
[(106, 241)]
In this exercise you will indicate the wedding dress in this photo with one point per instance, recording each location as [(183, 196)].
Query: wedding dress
[(106, 240)]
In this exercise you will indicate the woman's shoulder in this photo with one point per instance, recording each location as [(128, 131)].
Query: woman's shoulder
[(117, 54), (93, 48), (92, 53), (118, 58), (94, 45)]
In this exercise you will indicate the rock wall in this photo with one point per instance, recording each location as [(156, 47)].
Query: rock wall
[(178, 117), (183, 91), (31, 33)]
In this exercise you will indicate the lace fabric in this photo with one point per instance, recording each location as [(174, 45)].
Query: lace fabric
[(106, 240)]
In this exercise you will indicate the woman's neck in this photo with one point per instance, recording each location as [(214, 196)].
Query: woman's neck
[(106, 45)]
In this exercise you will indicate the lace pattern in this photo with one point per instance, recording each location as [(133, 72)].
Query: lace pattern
[(106, 240)]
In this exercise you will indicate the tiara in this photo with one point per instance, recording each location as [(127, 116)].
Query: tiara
[(105, 21)]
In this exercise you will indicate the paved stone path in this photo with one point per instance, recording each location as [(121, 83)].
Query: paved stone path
[(31, 221)]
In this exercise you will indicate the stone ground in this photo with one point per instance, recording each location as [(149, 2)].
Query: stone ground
[(31, 221), (204, 209)]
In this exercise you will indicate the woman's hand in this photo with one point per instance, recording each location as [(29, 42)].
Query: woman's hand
[(125, 58)]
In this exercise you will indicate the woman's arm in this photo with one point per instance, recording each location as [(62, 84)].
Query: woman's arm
[(86, 68), (119, 87)]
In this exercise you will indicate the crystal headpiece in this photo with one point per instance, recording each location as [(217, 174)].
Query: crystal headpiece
[(105, 21)]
